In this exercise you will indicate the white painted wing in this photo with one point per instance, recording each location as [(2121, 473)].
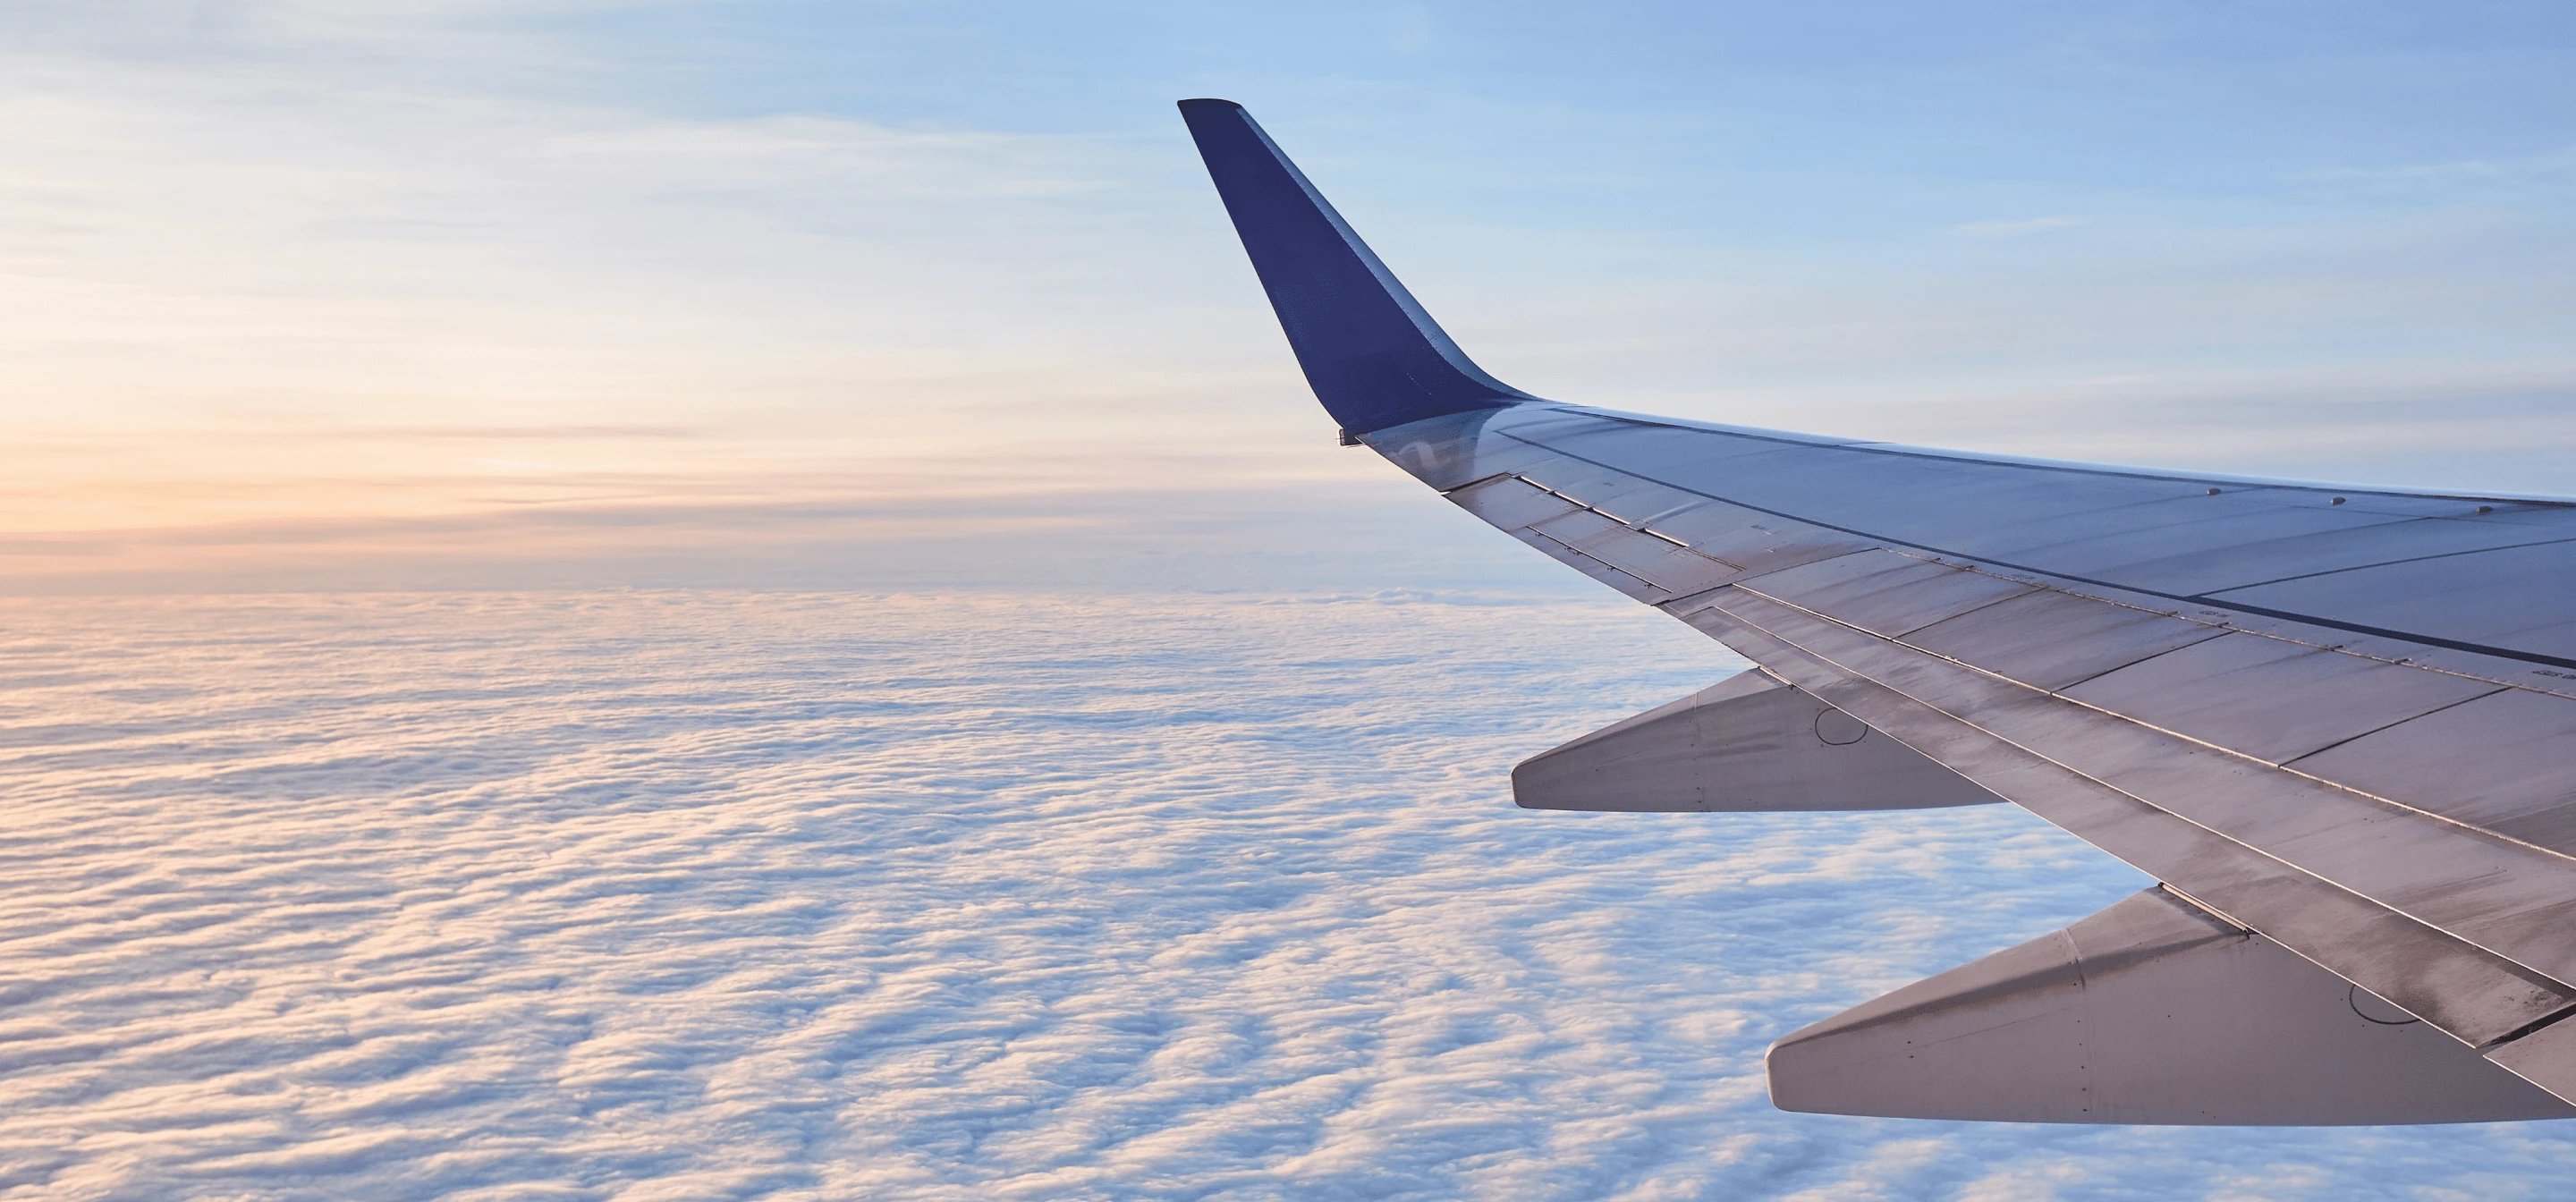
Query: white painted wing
[(2391, 805), (2337, 717)]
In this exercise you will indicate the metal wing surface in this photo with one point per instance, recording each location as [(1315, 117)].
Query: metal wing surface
[(2331, 721)]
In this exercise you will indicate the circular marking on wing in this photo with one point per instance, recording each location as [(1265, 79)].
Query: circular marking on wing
[(2378, 1011), (1839, 729)]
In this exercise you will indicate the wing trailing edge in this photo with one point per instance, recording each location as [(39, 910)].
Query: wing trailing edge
[(2333, 719), (1747, 744), (2151, 1011)]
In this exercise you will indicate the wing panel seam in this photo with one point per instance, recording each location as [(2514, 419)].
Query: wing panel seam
[(2531, 657), (2402, 807), (2507, 965)]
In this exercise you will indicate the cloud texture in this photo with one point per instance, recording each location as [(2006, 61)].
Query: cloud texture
[(705, 895)]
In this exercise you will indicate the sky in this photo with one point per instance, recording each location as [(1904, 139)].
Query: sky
[(496, 295), (742, 600)]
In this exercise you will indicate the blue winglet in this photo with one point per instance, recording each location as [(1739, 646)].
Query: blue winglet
[(1373, 356)]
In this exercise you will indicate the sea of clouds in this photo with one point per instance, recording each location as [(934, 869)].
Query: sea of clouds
[(703, 894)]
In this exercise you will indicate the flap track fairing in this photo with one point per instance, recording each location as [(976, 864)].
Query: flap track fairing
[(1747, 744)]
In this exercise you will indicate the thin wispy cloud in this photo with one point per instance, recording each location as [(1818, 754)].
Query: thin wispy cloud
[(988, 742), (2005, 228), (845, 250), (305, 225), (2554, 166)]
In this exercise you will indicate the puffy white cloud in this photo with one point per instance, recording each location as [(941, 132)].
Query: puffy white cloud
[(658, 895)]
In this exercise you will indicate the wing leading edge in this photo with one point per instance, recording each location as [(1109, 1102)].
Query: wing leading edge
[(2327, 719)]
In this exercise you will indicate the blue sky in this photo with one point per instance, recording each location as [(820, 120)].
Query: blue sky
[(914, 886), (285, 277)]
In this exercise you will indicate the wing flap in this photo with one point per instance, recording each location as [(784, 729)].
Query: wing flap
[(2413, 909), (1889, 594), (2546, 1058), (1511, 503), (1629, 584), (2517, 786), (2151, 1011), (2278, 697), (1747, 744), (2474, 995), (1678, 569), (2272, 699), (2509, 898), (2085, 638)]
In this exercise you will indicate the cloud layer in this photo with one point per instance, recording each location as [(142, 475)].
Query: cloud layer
[(703, 895)]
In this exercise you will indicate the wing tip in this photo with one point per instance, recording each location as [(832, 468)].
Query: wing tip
[(1375, 358)]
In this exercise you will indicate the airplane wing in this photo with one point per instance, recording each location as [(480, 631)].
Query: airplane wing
[(2334, 723)]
